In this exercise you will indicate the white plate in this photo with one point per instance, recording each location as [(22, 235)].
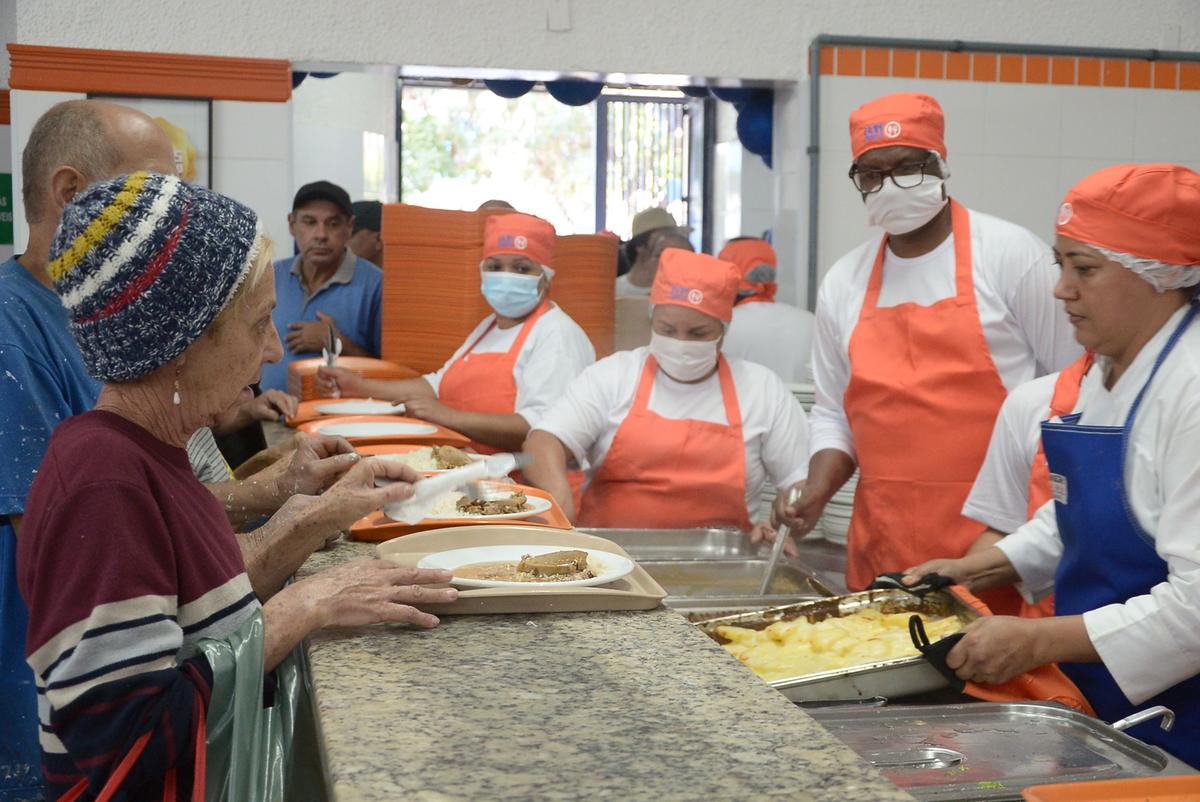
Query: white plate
[(372, 429), (608, 567), (368, 407)]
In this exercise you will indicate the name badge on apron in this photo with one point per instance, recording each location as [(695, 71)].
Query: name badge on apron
[(1058, 487)]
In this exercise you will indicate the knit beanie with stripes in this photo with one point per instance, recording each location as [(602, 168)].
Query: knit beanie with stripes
[(144, 263)]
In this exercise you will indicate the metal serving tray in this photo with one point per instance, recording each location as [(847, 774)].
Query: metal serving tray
[(892, 679), (990, 751), (696, 564)]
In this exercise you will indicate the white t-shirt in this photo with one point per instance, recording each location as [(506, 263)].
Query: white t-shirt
[(555, 352), (774, 426), (625, 288), (773, 334), (1026, 329), (1150, 642), (1000, 495)]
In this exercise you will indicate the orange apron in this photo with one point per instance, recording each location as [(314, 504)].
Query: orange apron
[(664, 473), (1066, 395), (485, 382), (921, 402)]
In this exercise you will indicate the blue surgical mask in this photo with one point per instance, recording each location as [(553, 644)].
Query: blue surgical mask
[(512, 295)]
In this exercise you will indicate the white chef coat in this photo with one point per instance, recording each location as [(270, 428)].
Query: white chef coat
[(774, 426), (773, 334), (554, 353), (1026, 329), (1000, 495), (1150, 642), (624, 288)]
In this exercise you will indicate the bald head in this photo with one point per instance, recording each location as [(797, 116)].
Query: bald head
[(79, 142)]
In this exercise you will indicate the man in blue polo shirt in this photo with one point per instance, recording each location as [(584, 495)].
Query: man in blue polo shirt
[(324, 285)]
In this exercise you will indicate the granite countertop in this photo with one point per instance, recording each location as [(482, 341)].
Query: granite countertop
[(562, 706)]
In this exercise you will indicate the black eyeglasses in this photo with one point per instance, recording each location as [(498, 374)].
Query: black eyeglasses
[(906, 176)]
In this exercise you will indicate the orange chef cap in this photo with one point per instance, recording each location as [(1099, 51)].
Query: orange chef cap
[(905, 118), (519, 235), (1150, 211), (696, 281), (756, 263)]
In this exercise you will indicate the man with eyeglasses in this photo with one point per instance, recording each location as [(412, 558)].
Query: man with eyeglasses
[(324, 286), (920, 335)]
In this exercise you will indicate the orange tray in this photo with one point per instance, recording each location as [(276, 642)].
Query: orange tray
[(441, 437), (1153, 789), (377, 527), (307, 410)]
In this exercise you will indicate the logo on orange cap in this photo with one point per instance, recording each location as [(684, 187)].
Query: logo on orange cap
[(1064, 213), (519, 234), (905, 118)]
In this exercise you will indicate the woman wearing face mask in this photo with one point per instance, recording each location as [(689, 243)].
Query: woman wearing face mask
[(920, 334), (674, 435), (516, 362)]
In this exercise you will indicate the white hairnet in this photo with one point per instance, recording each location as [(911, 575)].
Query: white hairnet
[(1162, 276)]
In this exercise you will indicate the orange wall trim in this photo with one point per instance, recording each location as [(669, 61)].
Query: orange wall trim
[(70, 69), (5, 108), (1009, 68)]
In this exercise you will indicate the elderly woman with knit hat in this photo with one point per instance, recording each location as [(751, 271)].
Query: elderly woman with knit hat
[(674, 435), (515, 363), (1117, 543), (128, 564)]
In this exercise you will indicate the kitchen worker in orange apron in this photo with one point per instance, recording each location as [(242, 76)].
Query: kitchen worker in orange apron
[(515, 363), (674, 435), (921, 333)]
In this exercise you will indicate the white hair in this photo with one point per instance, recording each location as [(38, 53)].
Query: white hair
[(1162, 276)]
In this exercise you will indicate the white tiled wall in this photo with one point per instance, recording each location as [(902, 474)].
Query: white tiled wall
[(1014, 149), (252, 161)]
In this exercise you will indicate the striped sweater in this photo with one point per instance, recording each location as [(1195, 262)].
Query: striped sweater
[(125, 561)]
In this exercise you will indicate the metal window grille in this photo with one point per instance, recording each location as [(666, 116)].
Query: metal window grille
[(643, 158)]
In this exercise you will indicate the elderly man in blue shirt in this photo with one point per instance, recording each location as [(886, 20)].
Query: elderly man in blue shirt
[(325, 285)]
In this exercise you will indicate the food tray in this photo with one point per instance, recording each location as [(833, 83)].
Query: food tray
[(990, 751), (377, 527), (441, 437), (903, 676), (637, 591), (1155, 789)]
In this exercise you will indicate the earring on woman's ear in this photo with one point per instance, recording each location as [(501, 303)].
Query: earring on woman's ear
[(175, 399)]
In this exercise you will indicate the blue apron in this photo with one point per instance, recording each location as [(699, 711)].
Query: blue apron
[(1108, 558)]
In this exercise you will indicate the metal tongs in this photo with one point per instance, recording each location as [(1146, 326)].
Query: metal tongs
[(427, 491), (331, 352)]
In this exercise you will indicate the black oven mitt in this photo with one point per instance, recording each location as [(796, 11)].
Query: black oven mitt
[(936, 653), (926, 584)]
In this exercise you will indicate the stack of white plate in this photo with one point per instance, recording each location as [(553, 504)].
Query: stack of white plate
[(835, 520), (806, 394)]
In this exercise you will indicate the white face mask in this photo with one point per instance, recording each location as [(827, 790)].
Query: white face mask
[(899, 211), (684, 360)]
